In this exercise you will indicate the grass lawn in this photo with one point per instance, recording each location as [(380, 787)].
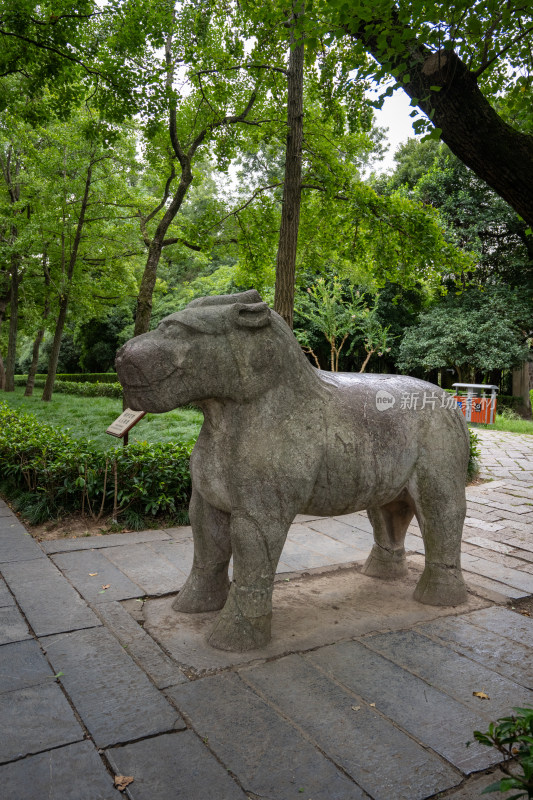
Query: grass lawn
[(89, 417), (512, 425)]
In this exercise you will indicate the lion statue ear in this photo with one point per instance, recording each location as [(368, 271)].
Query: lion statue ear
[(253, 315)]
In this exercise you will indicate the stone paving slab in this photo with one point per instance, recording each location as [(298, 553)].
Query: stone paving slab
[(473, 788), (48, 601), (103, 540), (112, 695), (74, 772), (514, 661), (37, 718), (501, 620), (343, 727), (452, 673), (148, 569), (16, 544), (268, 755), (13, 626), (22, 664), (433, 718), (179, 554), (175, 765), (79, 568), (489, 569), (6, 598), (162, 670)]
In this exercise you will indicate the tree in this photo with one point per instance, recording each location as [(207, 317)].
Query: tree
[(467, 67), (476, 332)]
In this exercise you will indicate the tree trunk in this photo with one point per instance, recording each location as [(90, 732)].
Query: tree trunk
[(146, 289), (290, 210), (13, 325), (56, 347), (63, 301), (521, 389), (4, 302), (30, 383), (497, 153)]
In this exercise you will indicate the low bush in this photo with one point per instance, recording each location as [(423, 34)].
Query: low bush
[(512, 737), (47, 473), (83, 389), (87, 377), (475, 452)]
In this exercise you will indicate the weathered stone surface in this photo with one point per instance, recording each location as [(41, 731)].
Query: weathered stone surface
[(112, 695), (6, 598), (90, 570), (22, 664), (268, 756), (97, 542), (16, 543), (344, 727), (513, 660), (335, 444), (147, 568), (472, 789), (427, 714), (13, 627), (74, 772), (174, 765), (513, 577), (310, 611), (140, 646), (37, 718), (49, 602), (452, 673), (505, 622)]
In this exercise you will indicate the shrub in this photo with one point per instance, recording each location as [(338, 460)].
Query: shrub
[(47, 473), (84, 389), (87, 377), (513, 738), (475, 452)]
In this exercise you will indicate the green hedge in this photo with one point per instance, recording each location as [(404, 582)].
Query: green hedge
[(87, 377), (47, 473), (75, 387)]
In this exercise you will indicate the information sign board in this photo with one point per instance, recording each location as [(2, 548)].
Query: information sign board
[(125, 423)]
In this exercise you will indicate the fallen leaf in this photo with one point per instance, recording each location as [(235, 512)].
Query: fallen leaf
[(121, 781), (525, 613), (372, 705), (92, 574), (106, 586), (356, 708), (482, 695)]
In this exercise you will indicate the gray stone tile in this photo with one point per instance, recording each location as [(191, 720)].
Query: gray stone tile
[(269, 757), (37, 718), (487, 544), (182, 533), (344, 727), (504, 622), (47, 599), (513, 660), (452, 673), (174, 765), (105, 540), (179, 554), (74, 772), (79, 568), (141, 647), (16, 544), (6, 598), (490, 569), (148, 569), (13, 626), (494, 591), (22, 664), (433, 718), (112, 695)]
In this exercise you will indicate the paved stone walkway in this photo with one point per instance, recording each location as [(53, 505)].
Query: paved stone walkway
[(363, 693)]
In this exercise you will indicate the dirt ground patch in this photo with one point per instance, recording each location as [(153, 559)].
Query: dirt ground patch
[(523, 606)]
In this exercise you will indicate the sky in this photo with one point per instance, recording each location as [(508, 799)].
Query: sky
[(395, 116)]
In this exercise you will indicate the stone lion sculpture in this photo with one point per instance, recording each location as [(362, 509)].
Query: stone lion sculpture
[(280, 438)]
